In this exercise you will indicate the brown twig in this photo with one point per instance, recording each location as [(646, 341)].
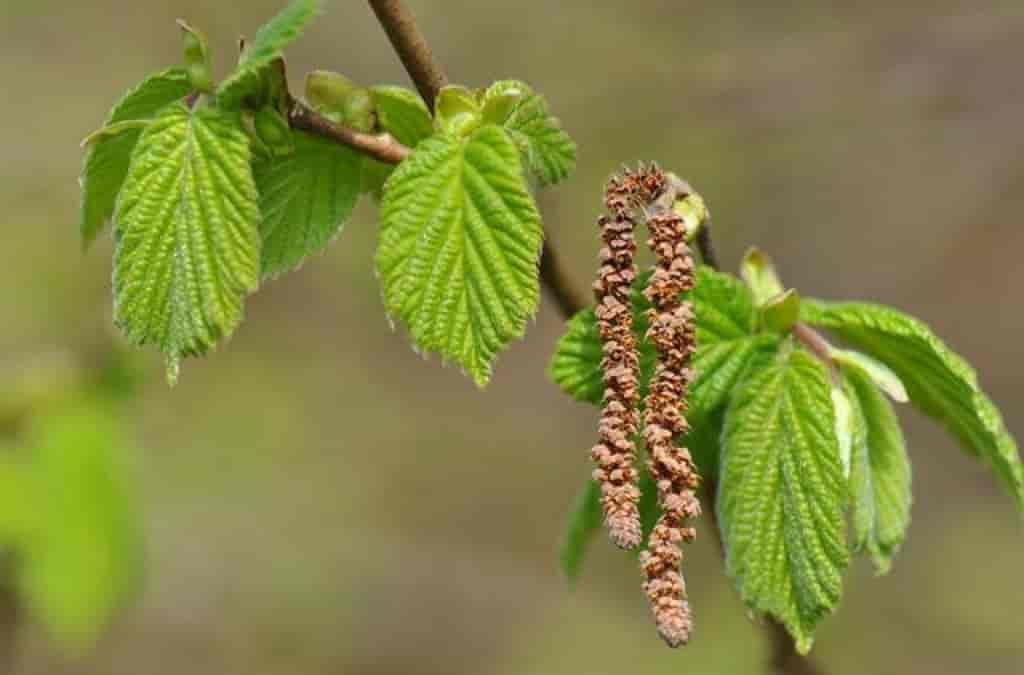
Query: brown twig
[(705, 247), (566, 295), (412, 48), (813, 340), (379, 146)]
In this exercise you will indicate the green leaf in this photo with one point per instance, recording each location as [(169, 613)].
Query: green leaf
[(272, 132), (106, 162), (880, 374), (938, 381), (85, 558), (457, 111), (726, 342), (584, 521), (327, 92), (880, 475), (576, 363), (305, 198), (845, 426), (781, 312), (459, 245), (197, 58), (187, 233), (401, 113), (782, 494), (548, 151), (759, 273), (270, 40), (19, 520), (691, 208), (113, 131)]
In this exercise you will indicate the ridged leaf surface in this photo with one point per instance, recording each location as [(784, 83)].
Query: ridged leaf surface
[(267, 45), (782, 494), (939, 382), (879, 473), (306, 197), (106, 162), (187, 228), (459, 245)]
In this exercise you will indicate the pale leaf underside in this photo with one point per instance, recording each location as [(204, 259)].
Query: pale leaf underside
[(880, 474)]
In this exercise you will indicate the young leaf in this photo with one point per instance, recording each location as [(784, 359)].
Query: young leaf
[(880, 374), (328, 92), (106, 163), (880, 475), (84, 559), (692, 209), (939, 382), (401, 113), (113, 131), (548, 151), (780, 312), (187, 233), (305, 198), (845, 426), (457, 111), (576, 363), (197, 58), (273, 135), (759, 273), (270, 40), (459, 244), (726, 342), (584, 521), (782, 494)]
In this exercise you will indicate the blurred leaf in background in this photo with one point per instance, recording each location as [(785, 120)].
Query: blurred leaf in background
[(80, 558)]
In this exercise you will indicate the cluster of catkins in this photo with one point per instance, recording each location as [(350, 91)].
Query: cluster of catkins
[(649, 194)]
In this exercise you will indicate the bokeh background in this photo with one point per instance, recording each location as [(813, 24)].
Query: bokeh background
[(319, 499)]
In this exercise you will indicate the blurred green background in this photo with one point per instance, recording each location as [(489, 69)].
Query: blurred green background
[(319, 499)]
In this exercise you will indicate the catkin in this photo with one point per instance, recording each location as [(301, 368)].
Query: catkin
[(615, 451), (672, 331)]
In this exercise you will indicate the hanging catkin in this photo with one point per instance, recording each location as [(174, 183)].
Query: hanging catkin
[(615, 452), (672, 331), (651, 192)]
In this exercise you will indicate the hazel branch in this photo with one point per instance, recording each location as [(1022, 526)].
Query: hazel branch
[(383, 147), (411, 47)]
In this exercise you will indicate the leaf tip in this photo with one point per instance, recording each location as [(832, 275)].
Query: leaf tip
[(173, 369)]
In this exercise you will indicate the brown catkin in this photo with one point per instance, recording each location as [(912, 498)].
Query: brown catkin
[(615, 451), (673, 334)]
